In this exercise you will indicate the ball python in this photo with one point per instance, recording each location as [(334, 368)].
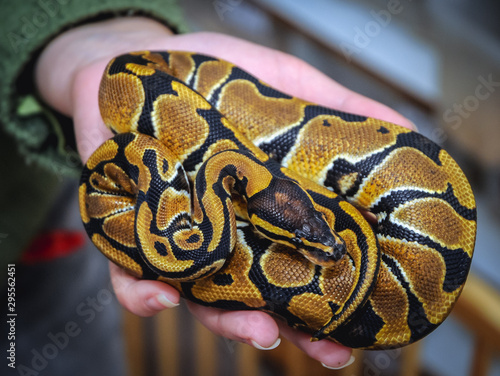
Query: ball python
[(243, 197)]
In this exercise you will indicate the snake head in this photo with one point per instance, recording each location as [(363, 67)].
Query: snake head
[(286, 214), (318, 243)]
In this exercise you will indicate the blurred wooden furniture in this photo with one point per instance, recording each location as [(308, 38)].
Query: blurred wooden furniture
[(478, 308)]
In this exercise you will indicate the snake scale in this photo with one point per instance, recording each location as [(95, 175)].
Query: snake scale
[(243, 197)]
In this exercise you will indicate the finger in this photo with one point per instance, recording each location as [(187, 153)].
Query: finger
[(142, 297), (331, 354), (254, 328)]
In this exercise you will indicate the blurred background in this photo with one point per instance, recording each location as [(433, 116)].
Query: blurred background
[(437, 63)]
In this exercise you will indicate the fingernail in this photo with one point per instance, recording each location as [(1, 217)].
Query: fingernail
[(349, 362), (273, 346), (160, 302)]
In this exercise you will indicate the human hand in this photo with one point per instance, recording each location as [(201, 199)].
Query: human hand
[(68, 75)]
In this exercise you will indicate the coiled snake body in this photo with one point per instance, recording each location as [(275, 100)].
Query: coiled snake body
[(243, 197)]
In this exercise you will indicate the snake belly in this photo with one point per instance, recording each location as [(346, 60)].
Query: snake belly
[(243, 197)]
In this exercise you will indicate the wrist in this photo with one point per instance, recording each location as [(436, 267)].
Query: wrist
[(74, 50)]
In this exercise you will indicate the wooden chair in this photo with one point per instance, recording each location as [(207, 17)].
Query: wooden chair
[(478, 308)]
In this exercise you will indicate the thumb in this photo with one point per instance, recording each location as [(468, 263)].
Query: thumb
[(90, 131)]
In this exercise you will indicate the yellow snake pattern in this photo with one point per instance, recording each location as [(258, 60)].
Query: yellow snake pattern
[(243, 197)]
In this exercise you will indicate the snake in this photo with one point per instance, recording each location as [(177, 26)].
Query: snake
[(243, 197)]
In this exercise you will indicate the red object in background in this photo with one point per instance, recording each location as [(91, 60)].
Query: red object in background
[(53, 244)]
